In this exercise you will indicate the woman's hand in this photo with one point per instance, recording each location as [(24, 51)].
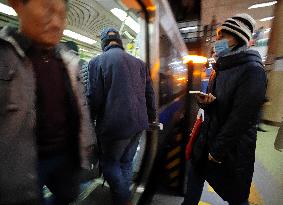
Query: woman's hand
[(205, 99)]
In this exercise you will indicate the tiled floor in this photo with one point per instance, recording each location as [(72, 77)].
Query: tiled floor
[(267, 187)]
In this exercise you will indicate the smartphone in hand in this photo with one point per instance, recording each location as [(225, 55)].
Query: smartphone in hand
[(198, 93), (203, 98)]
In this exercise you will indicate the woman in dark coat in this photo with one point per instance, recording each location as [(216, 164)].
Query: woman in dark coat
[(224, 152)]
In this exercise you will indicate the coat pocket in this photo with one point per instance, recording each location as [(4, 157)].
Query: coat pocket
[(6, 76), (6, 73)]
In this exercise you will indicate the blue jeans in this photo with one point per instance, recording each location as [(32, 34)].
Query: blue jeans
[(195, 187), (116, 162), (61, 177)]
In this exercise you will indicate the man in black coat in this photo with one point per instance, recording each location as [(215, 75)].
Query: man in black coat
[(122, 102), (224, 152)]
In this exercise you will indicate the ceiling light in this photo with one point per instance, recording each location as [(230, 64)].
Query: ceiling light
[(129, 35), (132, 24), (267, 18), (129, 21), (189, 28), (120, 14), (7, 10), (255, 6), (194, 59), (79, 37), (87, 51)]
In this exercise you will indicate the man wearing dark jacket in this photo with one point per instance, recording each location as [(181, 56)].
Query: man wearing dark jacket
[(224, 152), (45, 127), (122, 102)]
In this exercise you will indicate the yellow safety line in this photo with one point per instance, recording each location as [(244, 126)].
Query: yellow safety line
[(255, 197), (173, 163), (173, 152), (210, 189), (174, 174), (203, 203)]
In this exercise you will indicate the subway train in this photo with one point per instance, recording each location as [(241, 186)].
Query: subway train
[(159, 163)]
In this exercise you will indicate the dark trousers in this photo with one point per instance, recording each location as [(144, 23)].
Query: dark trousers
[(116, 162), (195, 187), (60, 175)]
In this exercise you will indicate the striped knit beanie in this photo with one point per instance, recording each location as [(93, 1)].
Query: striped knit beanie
[(241, 25)]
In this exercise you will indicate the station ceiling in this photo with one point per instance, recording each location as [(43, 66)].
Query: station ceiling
[(88, 18), (223, 9)]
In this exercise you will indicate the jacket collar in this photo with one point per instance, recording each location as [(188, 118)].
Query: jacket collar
[(20, 43), (238, 57), (113, 46)]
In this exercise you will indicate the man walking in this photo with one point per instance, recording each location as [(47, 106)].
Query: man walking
[(122, 103), (45, 131)]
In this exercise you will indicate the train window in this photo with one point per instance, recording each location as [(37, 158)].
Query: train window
[(173, 73)]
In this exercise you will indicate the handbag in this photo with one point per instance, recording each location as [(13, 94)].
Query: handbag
[(194, 134)]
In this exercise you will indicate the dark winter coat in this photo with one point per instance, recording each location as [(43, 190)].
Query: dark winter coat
[(18, 155), (229, 130), (120, 94)]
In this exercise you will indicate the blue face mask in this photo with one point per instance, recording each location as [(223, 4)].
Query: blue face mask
[(221, 47)]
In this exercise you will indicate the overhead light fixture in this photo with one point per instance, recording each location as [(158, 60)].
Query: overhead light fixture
[(79, 37), (267, 18), (119, 13), (87, 51), (195, 59), (132, 24), (261, 5), (189, 28), (7, 10), (129, 35), (129, 21)]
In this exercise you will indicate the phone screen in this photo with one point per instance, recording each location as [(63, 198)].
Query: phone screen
[(197, 92)]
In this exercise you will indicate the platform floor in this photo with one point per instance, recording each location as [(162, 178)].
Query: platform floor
[(267, 187)]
